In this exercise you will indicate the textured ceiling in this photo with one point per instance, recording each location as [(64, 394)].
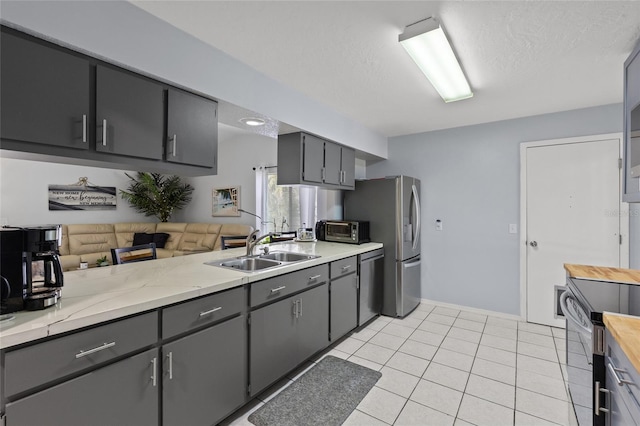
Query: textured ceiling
[(522, 58)]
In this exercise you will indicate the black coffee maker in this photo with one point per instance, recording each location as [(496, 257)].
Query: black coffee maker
[(30, 270)]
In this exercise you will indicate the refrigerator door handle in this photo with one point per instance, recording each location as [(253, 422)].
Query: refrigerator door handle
[(411, 264), (416, 200)]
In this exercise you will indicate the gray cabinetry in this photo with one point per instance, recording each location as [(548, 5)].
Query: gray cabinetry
[(623, 384), (205, 374), (632, 126), (286, 332), (45, 94), (129, 114), (123, 393), (308, 159), (192, 129), (344, 297)]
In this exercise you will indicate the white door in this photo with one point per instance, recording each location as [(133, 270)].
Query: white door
[(572, 216)]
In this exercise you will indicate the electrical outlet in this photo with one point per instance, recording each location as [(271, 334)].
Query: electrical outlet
[(438, 225), (513, 228)]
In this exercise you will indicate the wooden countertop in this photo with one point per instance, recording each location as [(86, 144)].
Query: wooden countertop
[(603, 273), (626, 330)]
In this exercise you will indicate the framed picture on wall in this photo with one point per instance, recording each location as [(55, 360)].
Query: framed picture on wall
[(226, 201)]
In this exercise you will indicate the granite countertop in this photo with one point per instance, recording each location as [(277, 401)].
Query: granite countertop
[(626, 330), (95, 295), (603, 273)]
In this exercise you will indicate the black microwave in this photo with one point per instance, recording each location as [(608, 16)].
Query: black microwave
[(343, 231)]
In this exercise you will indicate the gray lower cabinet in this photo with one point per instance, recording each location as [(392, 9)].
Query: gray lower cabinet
[(123, 393), (129, 114), (205, 374), (344, 297), (45, 94), (623, 384), (192, 129), (286, 333)]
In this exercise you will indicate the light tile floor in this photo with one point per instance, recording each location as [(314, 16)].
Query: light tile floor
[(442, 366)]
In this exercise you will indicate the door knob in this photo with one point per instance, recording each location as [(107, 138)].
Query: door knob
[(533, 244)]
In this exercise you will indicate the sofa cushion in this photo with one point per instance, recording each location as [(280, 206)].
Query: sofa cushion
[(175, 231), (124, 232), (199, 237), (97, 238)]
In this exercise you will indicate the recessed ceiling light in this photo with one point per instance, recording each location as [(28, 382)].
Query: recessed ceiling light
[(252, 121)]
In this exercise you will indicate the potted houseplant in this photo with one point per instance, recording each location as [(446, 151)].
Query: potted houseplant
[(156, 195), (102, 261)]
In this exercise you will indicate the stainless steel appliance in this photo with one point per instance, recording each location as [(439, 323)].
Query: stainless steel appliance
[(30, 268), (371, 275), (583, 303), (345, 231), (392, 207)]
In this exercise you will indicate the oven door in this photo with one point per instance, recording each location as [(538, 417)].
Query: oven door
[(579, 357)]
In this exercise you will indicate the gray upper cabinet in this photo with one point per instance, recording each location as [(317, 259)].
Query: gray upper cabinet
[(632, 126), (192, 129), (310, 160), (129, 114), (45, 94)]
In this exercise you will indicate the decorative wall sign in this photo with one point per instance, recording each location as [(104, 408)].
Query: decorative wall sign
[(226, 201), (82, 196)]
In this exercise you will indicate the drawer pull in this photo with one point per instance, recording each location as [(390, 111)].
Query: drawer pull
[(617, 378), (94, 350), (210, 311), (346, 268), (314, 277), (104, 132), (275, 290), (170, 356)]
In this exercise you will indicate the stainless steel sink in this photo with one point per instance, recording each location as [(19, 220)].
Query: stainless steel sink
[(264, 261), (247, 263), (286, 256)]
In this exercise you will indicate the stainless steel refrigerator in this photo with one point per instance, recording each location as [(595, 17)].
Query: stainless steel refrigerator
[(392, 207)]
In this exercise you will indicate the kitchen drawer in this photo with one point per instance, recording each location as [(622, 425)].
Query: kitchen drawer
[(344, 267), (41, 363), (205, 310), (278, 287)]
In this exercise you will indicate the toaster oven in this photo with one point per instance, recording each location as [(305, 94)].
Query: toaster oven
[(346, 231)]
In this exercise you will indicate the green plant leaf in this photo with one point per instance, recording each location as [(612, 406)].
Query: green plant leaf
[(156, 195)]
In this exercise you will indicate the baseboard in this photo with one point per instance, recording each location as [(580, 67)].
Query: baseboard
[(474, 310)]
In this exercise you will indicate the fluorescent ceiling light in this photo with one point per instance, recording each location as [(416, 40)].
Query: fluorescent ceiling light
[(252, 121), (427, 44)]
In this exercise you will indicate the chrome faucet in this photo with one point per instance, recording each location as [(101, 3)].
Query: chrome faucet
[(252, 241)]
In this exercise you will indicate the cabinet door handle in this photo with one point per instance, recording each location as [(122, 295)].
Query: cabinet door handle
[(314, 277), (300, 307), (94, 350), (210, 311), (295, 308), (175, 139), (170, 356), (84, 128), (596, 406), (104, 132), (620, 381), (277, 289), (323, 174), (154, 363)]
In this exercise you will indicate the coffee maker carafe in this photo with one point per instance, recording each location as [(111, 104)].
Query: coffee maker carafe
[(31, 274)]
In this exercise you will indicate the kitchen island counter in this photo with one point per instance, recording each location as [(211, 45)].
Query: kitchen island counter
[(92, 296)]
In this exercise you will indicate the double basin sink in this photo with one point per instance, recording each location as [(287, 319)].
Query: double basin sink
[(263, 261)]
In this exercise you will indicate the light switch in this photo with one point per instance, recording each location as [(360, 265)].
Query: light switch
[(513, 228), (438, 225)]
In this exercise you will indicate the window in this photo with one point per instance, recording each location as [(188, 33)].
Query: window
[(287, 208)]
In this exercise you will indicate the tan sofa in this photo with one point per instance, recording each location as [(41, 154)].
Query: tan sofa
[(89, 242)]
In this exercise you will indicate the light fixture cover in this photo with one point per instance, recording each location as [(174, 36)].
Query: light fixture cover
[(427, 44)]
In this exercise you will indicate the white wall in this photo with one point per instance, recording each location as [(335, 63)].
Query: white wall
[(122, 33), (471, 180), (24, 197), (238, 154)]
